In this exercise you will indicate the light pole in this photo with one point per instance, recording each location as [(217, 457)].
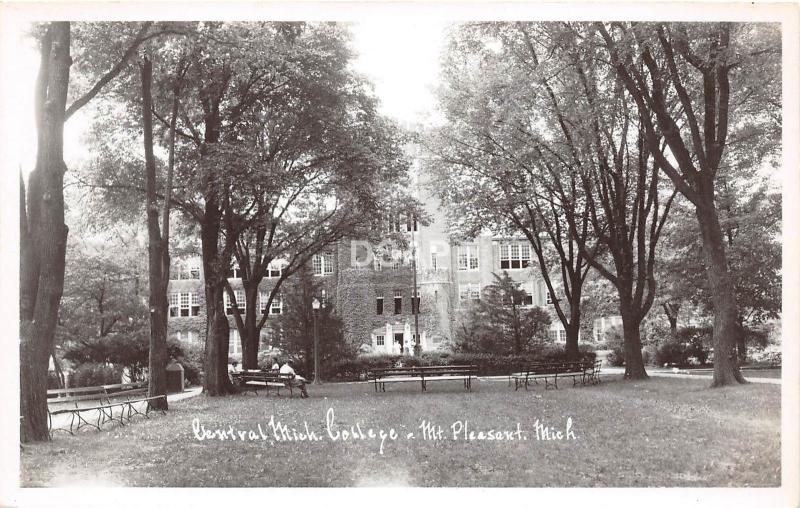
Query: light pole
[(315, 305)]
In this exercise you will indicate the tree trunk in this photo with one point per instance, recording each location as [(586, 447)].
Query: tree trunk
[(632, 342), (573, 331), (726, 368), (671, 311), (43, 235), (250, 337), (215, 364), (157, 358)]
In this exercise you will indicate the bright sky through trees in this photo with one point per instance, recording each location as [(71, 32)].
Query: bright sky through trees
[(403, 68)]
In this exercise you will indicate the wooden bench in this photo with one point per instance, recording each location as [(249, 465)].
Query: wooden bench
[(423, 375), (254, 380), (104, 406), (579, 371)]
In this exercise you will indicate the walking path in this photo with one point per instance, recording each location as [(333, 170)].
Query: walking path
[(191, 392), (685, 375)]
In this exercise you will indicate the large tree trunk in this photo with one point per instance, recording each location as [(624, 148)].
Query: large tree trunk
[(250, 337), (215, 365), (632, 342), (726, 368), (43, 235), (158, 256)]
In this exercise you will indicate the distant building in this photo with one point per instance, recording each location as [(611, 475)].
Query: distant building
[(374, 295)]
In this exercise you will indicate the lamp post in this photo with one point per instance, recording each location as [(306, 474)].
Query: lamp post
[(315, 305)]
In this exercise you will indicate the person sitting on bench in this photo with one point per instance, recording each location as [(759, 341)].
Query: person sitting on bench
[(297, 380)]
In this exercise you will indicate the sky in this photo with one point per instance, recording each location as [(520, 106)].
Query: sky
[(403, 70)]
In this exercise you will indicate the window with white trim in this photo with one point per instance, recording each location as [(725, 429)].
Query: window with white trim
[(263, 296), (398, 301), (194, 303), (469, 292), (277, 305), (173, 304), (467, 257), (434, 261), (379, 340), (241, 303), (515, 256), (379, 303), (322, 263), (234, 343), (274, 269), (185, 298)]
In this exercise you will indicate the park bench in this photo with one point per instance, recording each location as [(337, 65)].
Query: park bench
[(254, 380), (578, 371), (424, 375), (106, 398)]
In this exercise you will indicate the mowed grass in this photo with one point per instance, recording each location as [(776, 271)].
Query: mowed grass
[(660, 432)]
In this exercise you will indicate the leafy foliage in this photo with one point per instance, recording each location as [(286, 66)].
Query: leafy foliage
[(500, 323), (293, 330)]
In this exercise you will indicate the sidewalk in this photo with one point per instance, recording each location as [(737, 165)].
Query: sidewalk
[(191, 392), (683, 375)]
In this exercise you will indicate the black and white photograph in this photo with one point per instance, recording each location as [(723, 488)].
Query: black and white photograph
[(400, 246)]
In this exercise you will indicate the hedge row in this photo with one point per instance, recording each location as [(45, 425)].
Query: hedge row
[(488, 364)]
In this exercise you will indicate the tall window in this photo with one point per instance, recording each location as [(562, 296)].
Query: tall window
[(263, 296), (173, 304), (235, 345), (322, 263), (241, 303), (185, 310), (376, 261), (515, 256), (469, 292), (379, 340), (277, 305), (195, 304), (398, 301), (434, 261), (415, 302), (468, 257), (379, 303)]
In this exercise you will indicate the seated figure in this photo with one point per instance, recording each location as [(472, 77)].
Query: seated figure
[(297, 380)]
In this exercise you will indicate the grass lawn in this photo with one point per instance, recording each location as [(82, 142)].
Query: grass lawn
[(660, 432)]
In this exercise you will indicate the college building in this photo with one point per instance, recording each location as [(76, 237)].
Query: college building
[(371, 287)]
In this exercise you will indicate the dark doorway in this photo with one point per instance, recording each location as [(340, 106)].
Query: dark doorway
[(398, 337)]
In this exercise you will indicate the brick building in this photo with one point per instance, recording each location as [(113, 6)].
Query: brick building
[(374, 294)]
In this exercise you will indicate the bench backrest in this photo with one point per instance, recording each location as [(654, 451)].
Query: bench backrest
[(430, 370), (557, 367), (265, 376), (62, 395)]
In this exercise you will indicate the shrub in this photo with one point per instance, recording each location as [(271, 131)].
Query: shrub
[(488, 364), (616, 357), (96, 374), (191, 359), (649, 355)]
